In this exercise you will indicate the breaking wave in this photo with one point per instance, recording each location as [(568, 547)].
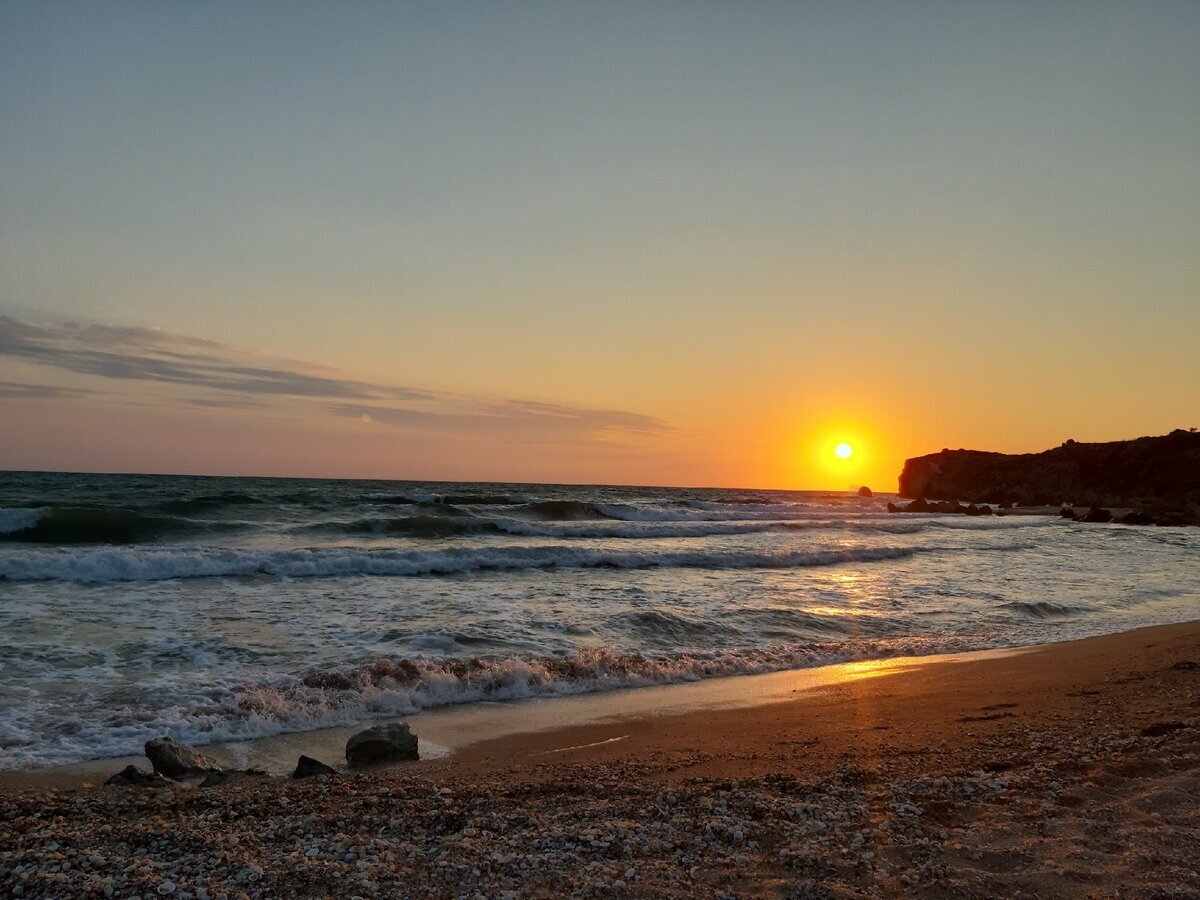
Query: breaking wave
[(462, 523), (103, 565), (350, 695)]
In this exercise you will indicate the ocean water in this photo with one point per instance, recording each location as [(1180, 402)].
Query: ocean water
[(217, 609)]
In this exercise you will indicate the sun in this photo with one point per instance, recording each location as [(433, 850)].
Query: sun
[(843, 450)]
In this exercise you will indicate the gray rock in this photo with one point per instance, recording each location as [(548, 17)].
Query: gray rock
[(176, 760), (306, 767), (383, 743), (135, 777)]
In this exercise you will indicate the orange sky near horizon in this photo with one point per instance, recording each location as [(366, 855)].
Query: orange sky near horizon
[(96, 410)]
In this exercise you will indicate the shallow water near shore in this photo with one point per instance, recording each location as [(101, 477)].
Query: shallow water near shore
[(220, 610), (446, 730)]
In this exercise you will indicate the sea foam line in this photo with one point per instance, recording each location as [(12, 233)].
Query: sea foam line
[(98, 565), (230, 711)]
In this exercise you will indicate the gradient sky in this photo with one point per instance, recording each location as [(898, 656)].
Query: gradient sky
[(664, 243)]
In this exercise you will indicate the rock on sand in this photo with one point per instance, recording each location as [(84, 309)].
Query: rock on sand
[(176, 760), (383, 743)]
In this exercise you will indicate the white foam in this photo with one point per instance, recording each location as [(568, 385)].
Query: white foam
[(664, 528), (96, 565), (12, 520), (286, 704)]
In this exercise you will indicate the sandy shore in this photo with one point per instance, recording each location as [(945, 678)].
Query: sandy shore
[(1068, 770)]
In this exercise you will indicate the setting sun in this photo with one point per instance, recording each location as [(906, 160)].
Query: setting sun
[(843, 451)]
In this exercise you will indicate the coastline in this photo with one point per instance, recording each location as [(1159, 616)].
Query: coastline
[(1062, 769)]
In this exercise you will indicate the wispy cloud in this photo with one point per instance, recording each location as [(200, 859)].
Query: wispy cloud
[(227, 378), (144, 354), (12, 390), (514, 420)]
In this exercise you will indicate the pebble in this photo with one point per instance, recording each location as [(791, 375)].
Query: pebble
[(581, 830)]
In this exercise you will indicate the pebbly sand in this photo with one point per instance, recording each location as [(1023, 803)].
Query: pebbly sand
[(1069, 770)]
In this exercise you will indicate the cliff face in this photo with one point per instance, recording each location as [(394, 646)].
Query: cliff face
[(1149, 472)]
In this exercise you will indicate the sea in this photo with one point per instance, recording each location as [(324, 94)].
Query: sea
[(223, 609)]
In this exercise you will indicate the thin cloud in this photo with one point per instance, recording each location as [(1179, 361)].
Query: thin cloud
[(240, 380), (517, 420), (144, 354), (11, 390)]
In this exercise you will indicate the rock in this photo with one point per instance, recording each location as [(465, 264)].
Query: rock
[(1174, 518), (865, 491), (135, 777), (306, 767), (1098, 514), (176, 760), (1143, 473), (383, 743), (984, 510), (1066, 513), (892, 507), (920, 505), (1136, 518)]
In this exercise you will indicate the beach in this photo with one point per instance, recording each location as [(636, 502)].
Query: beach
[(1068, 769)]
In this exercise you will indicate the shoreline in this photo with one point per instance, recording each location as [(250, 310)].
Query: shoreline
[(1068, 769), (446, 732)]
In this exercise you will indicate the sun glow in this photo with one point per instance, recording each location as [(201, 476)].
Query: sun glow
[(840, 453)]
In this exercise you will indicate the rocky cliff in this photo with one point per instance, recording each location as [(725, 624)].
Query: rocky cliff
[(1149, 473)]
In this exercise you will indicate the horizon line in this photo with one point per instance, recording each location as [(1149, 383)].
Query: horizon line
[(674, 487)]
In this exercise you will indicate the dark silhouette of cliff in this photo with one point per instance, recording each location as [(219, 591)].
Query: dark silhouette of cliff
[(1148, 473)]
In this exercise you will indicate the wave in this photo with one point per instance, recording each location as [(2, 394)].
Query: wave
[(13, 520), (206, 502), (422, 526), (112, 564), (567, 510), (1043, 609), (354, 694), (94, 525), (743, 501), (409, 526), (450, 499)]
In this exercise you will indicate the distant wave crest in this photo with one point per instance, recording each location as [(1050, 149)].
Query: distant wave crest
[(109, 564)]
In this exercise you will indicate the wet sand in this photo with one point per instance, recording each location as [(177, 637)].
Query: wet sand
[(1066, 770)]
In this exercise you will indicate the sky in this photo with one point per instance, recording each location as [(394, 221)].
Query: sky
[(639, 243)]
